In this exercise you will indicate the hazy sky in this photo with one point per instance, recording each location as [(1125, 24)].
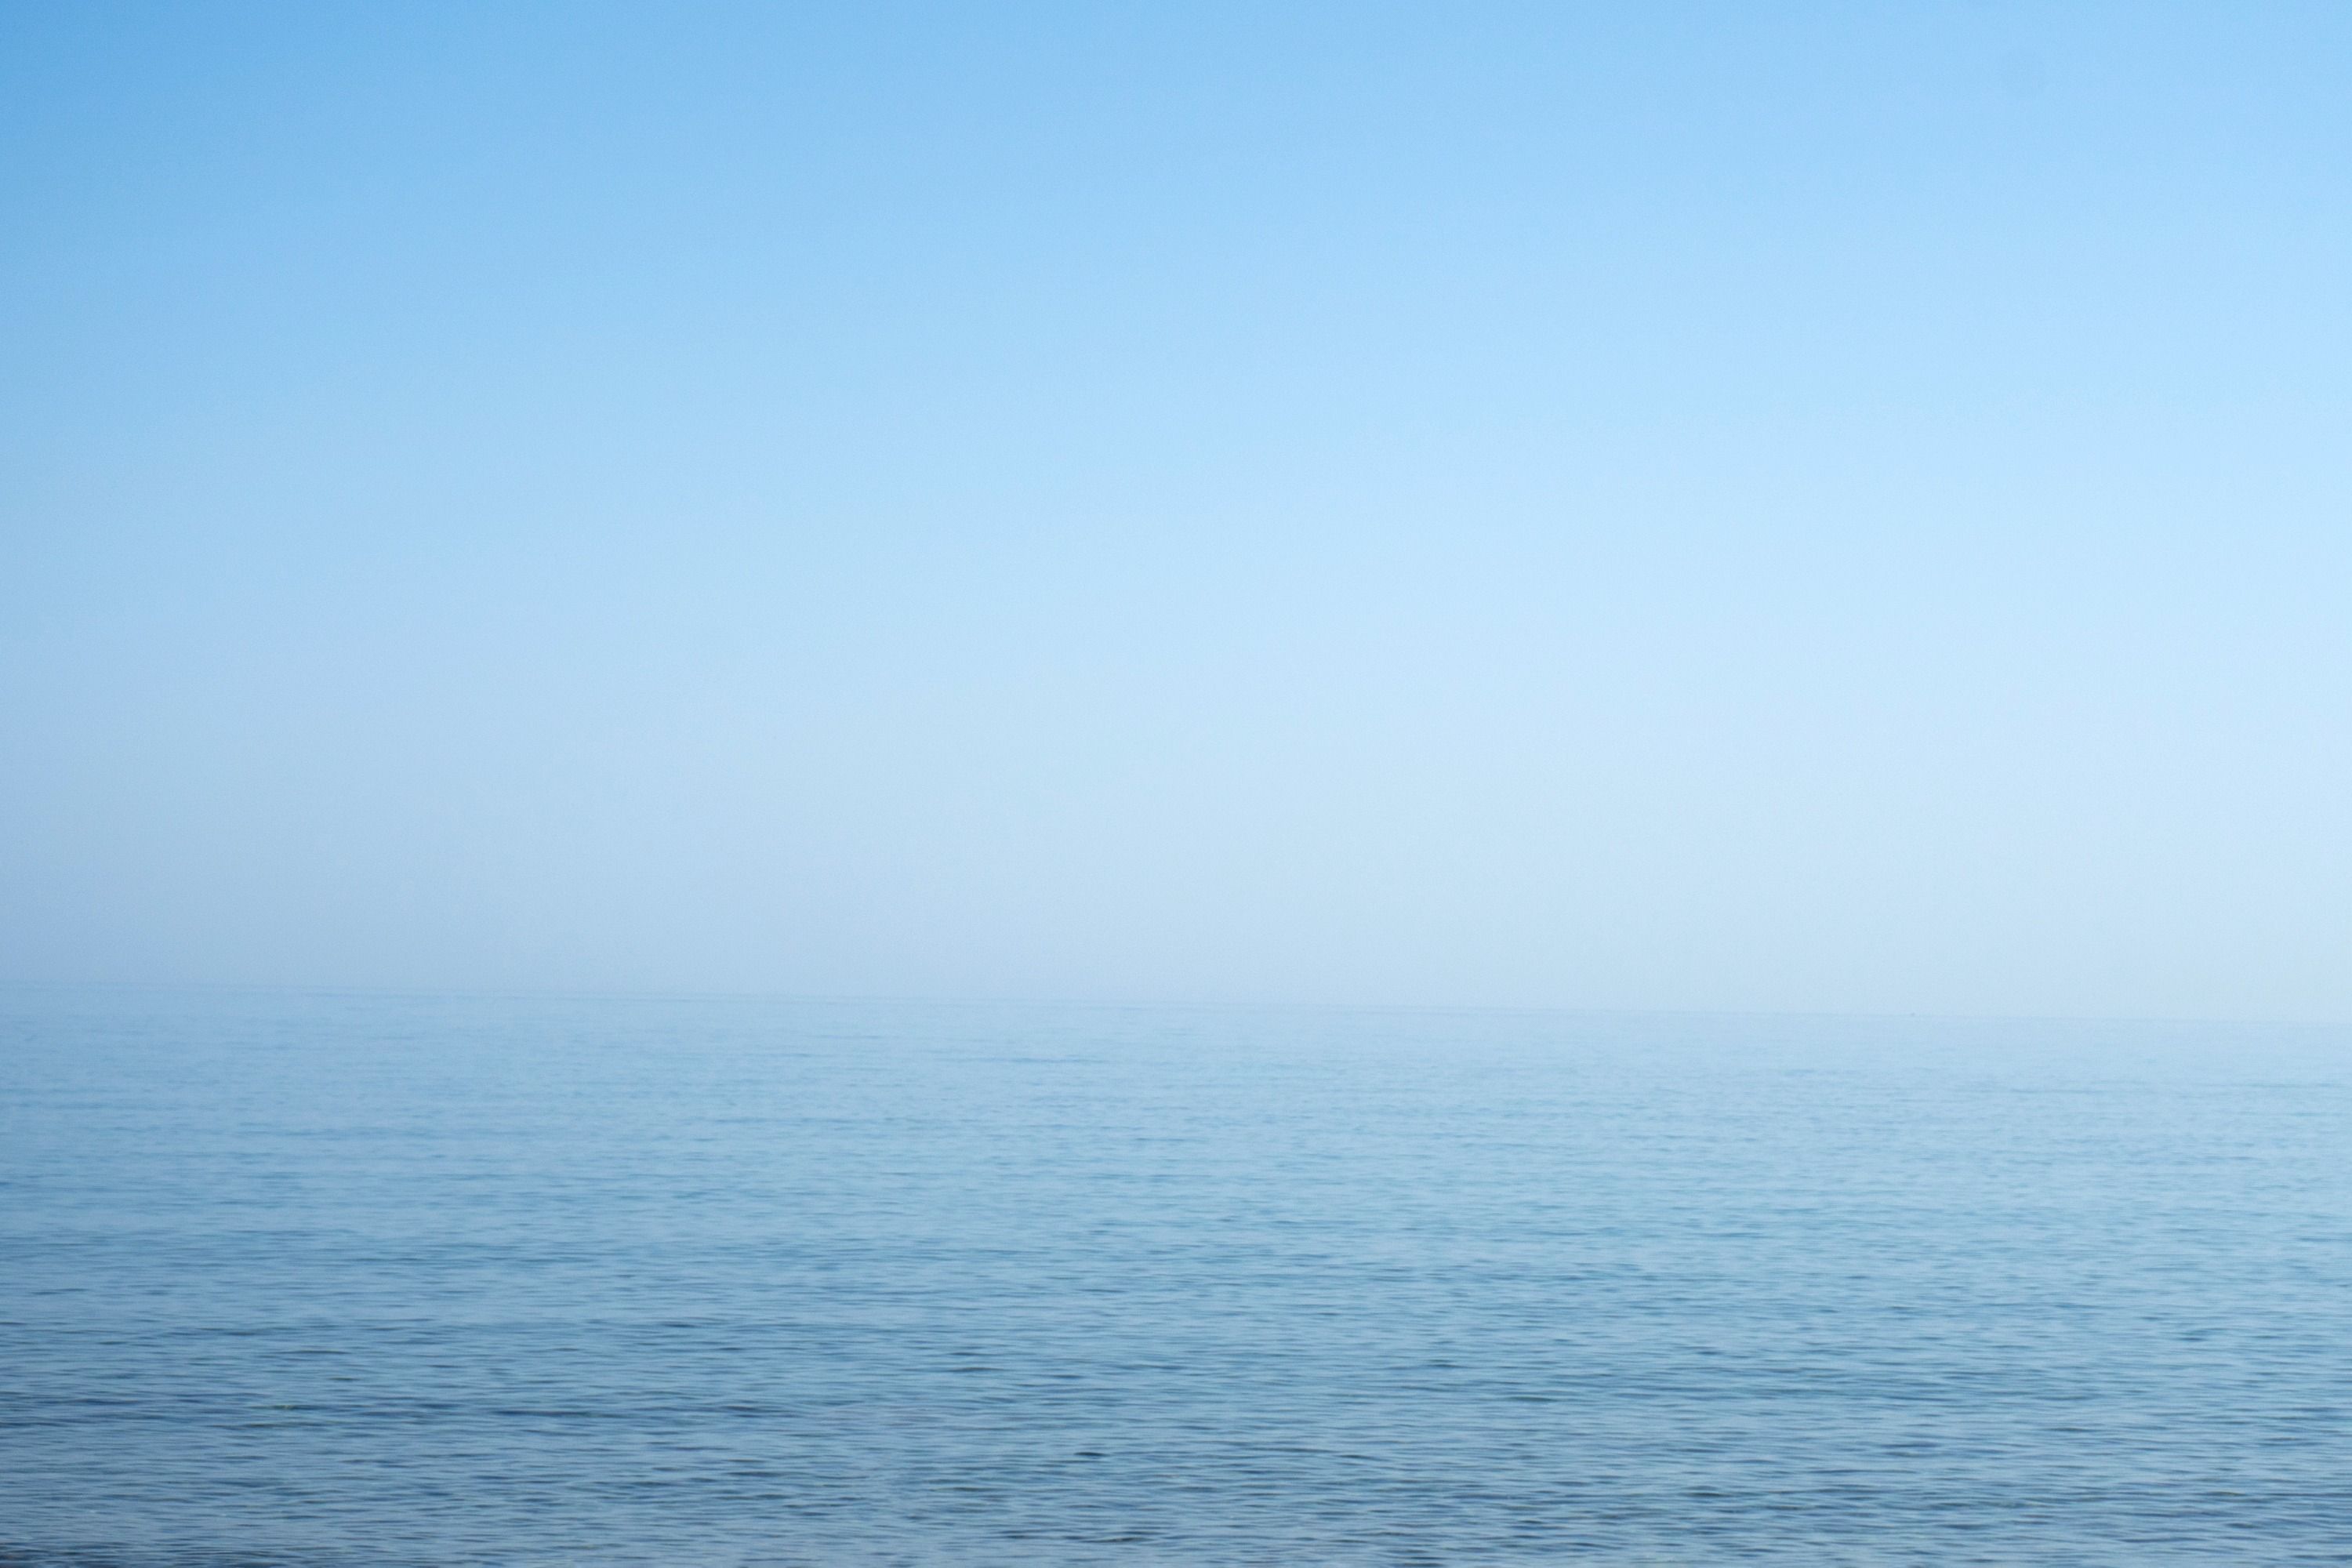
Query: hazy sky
[(1652, 505)]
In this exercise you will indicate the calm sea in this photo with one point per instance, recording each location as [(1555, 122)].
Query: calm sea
[(328, 1279)]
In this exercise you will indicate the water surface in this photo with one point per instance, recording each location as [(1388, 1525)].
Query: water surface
[(349, 1280)]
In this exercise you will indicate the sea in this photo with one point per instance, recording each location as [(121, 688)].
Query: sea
[(332, 1279)]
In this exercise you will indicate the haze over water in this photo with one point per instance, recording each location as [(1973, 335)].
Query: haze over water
[(340, 1278)]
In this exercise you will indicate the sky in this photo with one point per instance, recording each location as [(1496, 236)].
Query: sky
[(1816, 508)]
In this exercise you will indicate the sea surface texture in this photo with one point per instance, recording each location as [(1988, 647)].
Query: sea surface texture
[(327, 1279)]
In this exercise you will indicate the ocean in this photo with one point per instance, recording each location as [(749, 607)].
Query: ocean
[(322, 1278)]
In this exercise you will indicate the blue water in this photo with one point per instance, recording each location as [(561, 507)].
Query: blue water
[(347, 1280)]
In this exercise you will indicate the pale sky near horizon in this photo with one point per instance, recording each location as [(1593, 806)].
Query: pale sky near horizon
[(1688, 506)]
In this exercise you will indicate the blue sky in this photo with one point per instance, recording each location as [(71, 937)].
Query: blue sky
[(1834, 507)]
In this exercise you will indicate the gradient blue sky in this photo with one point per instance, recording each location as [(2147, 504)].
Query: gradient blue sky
[(1689, 506)]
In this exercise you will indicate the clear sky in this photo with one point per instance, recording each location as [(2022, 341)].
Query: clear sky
[(1651, 505)]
